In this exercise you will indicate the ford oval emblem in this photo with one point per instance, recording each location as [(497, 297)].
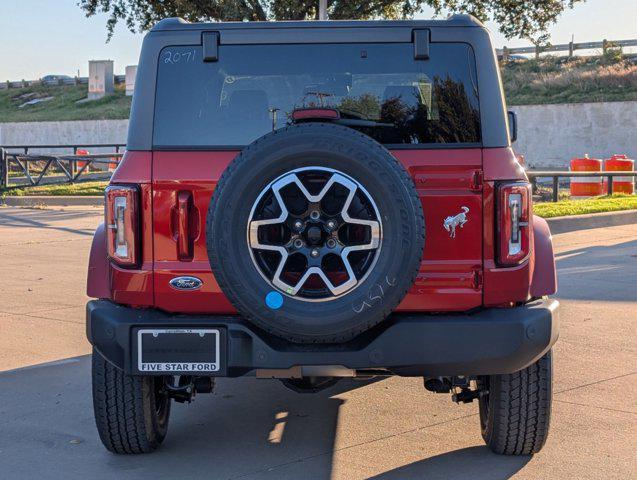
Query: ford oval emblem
[(186, 283)]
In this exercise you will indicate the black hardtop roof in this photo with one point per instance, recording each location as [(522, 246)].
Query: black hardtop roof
[(176, 23), (217, 36)]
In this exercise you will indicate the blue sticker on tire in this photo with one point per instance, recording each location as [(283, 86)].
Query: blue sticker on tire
[(274, 300)]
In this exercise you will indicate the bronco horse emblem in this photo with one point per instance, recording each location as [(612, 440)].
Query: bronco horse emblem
[(459, 220)]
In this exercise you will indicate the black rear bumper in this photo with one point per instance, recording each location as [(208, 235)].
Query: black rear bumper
[(490, 341)]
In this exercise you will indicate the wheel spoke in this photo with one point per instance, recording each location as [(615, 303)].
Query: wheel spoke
[(371, 223), (254, 225), (335, 290), (335, 178)]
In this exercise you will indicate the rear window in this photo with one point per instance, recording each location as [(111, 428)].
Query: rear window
[(253, 89)]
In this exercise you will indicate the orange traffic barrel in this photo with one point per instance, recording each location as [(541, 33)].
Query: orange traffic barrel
[(81, 151), (620, 163), (113, 164), (582, 187)]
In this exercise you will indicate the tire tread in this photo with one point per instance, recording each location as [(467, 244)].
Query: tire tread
[(521, 403), (118, 402)]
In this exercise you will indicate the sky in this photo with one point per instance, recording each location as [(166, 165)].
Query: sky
[(40, 37)]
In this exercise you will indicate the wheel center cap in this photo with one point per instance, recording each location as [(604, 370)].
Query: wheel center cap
[(314, 235)]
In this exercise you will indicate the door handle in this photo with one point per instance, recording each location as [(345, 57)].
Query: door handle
[(184, 243)]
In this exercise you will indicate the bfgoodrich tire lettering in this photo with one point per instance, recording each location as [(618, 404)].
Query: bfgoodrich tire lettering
[(331, 147)]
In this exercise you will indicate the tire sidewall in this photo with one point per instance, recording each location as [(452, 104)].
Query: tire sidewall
[(156, 421)]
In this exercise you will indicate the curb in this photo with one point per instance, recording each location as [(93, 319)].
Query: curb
[(591, 220), (52, 201)]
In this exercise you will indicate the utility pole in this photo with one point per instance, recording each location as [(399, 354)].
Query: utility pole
[(322, 9)]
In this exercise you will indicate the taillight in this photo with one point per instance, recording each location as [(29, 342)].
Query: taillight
[(514, 223), (122, 223)]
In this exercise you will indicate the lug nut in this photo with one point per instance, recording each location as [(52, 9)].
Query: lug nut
[(298, 225), (298, 243), (315, 215), (331, 243), (314, 253), (331, 224)]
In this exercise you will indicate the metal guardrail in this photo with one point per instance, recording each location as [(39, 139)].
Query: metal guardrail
[(72, 167), (534, 174), (75, 147), (563, 47)]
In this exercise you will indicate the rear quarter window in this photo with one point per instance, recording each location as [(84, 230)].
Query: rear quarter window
[(253, 89)]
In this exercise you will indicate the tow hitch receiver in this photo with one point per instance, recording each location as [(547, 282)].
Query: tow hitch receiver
[(462, 389), (467, 395), (187, 387)]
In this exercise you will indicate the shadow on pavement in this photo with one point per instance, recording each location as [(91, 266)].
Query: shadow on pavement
[(247, 429), (475, 463), (47, 219), (592, 273)]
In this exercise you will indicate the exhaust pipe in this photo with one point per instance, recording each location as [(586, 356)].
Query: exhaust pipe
[(438, 384)]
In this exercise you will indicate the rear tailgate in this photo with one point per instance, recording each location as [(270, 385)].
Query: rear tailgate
[(190, 178), (450, 277), (447, 180)]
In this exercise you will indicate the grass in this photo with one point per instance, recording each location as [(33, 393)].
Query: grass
[(580, 207), (63, 105), (608, 78), (76, 189)]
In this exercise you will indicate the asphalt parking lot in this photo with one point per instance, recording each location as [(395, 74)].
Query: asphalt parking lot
[(257, 429)]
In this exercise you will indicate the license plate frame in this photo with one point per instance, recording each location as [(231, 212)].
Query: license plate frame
[(174, 361)]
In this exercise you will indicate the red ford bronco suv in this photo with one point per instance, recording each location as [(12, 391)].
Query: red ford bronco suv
[(308, 201)]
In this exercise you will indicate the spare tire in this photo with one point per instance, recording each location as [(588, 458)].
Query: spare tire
[(315, 233)]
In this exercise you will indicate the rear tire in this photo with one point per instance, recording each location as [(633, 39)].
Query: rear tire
[(130, 412), (515, 414)]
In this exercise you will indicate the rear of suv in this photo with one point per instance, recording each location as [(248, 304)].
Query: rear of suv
[(308, 201)]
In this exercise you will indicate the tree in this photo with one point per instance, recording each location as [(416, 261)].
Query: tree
[(515, 18)]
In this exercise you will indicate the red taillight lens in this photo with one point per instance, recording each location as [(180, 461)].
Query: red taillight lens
[(122, 223), (514, 223)]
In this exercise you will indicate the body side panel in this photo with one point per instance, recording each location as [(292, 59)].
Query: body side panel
[(134, 286), (98, 278), (544, 281), (511, 285)]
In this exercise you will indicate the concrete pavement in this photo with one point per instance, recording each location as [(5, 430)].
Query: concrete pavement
[(257, 429), (43, 264)]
